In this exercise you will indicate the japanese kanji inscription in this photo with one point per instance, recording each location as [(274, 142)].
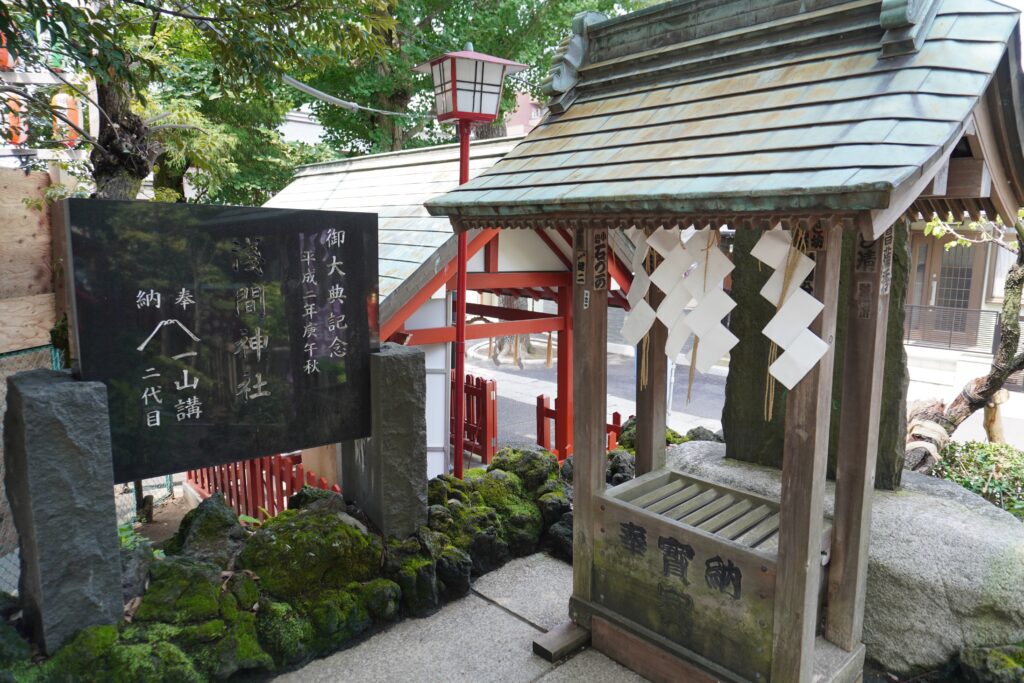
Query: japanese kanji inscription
[(223, 333)]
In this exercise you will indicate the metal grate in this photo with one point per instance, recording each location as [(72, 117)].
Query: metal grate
[(943, 327)]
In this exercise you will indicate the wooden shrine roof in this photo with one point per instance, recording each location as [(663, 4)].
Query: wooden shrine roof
[(754, 108)]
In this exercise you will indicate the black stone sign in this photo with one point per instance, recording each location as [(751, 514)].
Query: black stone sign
[(223, 333)]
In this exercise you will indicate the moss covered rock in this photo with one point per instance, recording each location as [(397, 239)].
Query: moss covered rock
[(181, 590), (627, 437), (521, 521), (410, 564), (284, 633), (533, 467), (454, 569), (337, 616), (96, 654), (300, 553), (210, 532), (244, 588), (621, 467), (554, 499), (380, 598), (559, 538), (308, 495), (993, 664), (13, 648)]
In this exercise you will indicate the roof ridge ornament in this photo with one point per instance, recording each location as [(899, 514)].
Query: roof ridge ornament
[(906, 24), (560, 85)]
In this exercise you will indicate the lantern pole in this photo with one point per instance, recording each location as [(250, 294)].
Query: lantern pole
[(459, 418)]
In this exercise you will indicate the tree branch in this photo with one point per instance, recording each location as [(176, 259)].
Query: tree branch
[(175, 126), (175, 13)]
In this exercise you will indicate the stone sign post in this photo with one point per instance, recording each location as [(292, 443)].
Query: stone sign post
[(60, 482)]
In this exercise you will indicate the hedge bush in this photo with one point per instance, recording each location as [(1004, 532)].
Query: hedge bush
[(994, 471)]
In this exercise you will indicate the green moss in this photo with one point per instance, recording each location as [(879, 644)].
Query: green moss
[(417, 579), (533, 467), (300, 554), (996, 664), (521, 520), (13, 648), (181, 591), (380, 598), (245, 590), (159, 662), (283, 632), (336, 617), (672, 437)]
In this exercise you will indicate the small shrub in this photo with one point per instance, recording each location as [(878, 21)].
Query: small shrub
[(994, 471)]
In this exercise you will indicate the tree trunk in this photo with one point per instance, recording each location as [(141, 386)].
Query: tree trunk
[(931, 424), (164, 177), (127, 155), (993, 423)]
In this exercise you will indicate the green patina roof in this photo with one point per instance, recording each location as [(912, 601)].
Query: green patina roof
[(751, 106)]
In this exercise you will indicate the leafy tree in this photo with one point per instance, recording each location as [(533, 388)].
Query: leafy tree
[(522, 30), (248, 43), (931, 423)]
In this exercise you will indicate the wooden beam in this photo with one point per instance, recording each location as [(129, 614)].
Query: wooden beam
[(937, 187), (805, 459), (502, 313), (561, 641), (867, 315), (651, 393), (27, 321), (479, 281), (590, 389), (491, 256), (986, 145), (441, 335), (563, 400), (555, 249), (447, 271), (968, 179)]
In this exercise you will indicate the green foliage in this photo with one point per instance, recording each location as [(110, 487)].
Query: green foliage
[(994, 471), (129, 537), (522, 30)]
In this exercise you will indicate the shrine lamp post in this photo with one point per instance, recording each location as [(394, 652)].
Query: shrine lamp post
[(467, 89)]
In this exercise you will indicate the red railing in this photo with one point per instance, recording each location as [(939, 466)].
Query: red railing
[(257, 487), (546, 415), (481, 436)]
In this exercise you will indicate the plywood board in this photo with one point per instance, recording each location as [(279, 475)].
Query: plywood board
[(26, 322), (24, 236)]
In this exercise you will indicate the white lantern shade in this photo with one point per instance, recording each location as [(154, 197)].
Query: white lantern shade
[(467, 84)]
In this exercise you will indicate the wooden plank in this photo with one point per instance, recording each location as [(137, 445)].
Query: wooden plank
[(24, 236), (659, 493), (760, 531), (590, 391), (867, 318), (632, 489), (805, 457), (27, 321), (675, 499), (651, 388), (646, 659), (694, 503), (561, 641), (745, 523), (708, 511), (726, 516)]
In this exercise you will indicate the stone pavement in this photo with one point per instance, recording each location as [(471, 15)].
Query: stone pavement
[(486, 636)]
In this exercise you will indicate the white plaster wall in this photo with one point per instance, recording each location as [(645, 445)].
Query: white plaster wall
[(434, 313)]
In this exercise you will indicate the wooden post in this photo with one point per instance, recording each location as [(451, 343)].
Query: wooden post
[(563, 401), (867, 317), (650, 398), (590, 386), (805, 459)]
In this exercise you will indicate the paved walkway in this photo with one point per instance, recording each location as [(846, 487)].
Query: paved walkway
[(483, 637)]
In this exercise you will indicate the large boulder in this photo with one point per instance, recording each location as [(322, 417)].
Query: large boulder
[(532, 466), (945, 567), (210, 532)]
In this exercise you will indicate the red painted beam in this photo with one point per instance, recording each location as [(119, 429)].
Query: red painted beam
[(502, 313), (479, 281), (394, 323), (440, 335)]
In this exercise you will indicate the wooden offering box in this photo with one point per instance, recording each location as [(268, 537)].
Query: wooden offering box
[(694, 563)]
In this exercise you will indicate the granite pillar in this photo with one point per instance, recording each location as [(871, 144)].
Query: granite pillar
[(60, 484), (386, 475)]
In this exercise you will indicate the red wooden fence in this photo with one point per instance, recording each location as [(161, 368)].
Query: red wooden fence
[(257, 487), (546, 415), (481, 436)]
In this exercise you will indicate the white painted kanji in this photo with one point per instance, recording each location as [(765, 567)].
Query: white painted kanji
[(795, 309)]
